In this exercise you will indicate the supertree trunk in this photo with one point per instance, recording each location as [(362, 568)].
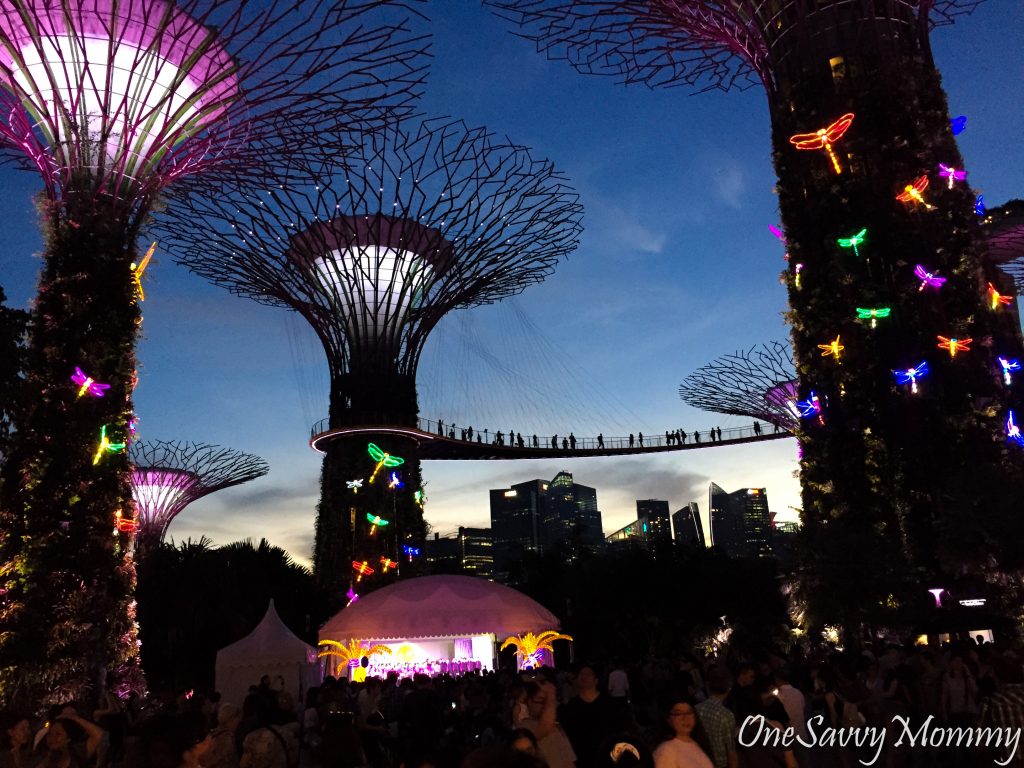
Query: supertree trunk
[(344, 533), (899, 487), (80, 615)]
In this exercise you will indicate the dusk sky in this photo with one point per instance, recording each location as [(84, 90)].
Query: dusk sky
[(676, 267)]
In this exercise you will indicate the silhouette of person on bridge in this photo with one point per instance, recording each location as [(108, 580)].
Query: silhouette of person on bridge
[(640, 438), (554, 441), (572, 441), (600, 440), (757, 428), (470, 432), (682, 437), (535, 441), (776, 428), (565, 444), (499, 438), (719, 434), (630, 439), (696, 436), (519, 439)]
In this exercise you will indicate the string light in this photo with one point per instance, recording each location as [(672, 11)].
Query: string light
[(375, 521), (387, 564), (410, 552), (106, 446), (911, 375), (954, 345), (951, 174), (1008, 367), (996, 299), (1013, 431), (853, 241), (958, 124), (88, 384), (832, 349), (352, 597), (873, 313), (912, 193), (979, 205), (395, 482), (361, 569), (138, 269), (824, 139), (928, 279), (354, 485), (383, 459)]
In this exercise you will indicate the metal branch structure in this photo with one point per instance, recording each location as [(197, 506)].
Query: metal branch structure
[(116, 103), (168, 476), (873, 194), (418, 222), (1004, 231), (760, 382)]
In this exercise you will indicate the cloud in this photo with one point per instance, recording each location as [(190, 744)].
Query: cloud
[(622, 231), (729, 184)]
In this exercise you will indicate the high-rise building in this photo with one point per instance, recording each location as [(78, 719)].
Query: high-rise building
[(516, 515), (476, 552), (655, 512), (572, 520), (689, 531), (740, 521), (442, 554)]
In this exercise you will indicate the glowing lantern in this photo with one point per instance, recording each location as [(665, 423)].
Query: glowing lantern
[(912, 193), (952, 174), (1008, 367), (354, 485), (958, 124), (124, 524), (410, 552), (395, 482), (530, 647), (352, 597), (137, 271), (824, 139), (979, 205), (873, 314), (954, 345), (797, 269), (853, 241), (996, 299), (106, 446), (832, 349), (361, 569), (810, 408), (928, 279), (387, 564), (375, 520), (88, 384), (1013, 431), (383, 459), (911, 375)]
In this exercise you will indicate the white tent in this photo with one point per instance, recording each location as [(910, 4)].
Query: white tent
[(270, 649)]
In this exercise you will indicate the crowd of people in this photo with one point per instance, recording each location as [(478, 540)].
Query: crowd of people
[(688, 713)]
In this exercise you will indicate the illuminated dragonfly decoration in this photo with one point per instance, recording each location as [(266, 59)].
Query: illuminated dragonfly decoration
[(88, 384), (979, 205), (958, 124), (375, 521), (873, 313), (911, 375), (954, 345), (137, 270), (1008, 366), (352, 597), (824, 139), (419, 498), (395, 482), (362, 569), (383, 459), (832, 349), (1013, 431), (125, 524), (797, 269), (996, 299), (106, 446), (928, 279), (811, 408), (386, 564), (410, 552), (354, 485), (853, 241), (951, 174), (781, 238), (912, 193)]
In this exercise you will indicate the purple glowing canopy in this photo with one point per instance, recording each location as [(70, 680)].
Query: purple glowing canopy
[(167, 477)]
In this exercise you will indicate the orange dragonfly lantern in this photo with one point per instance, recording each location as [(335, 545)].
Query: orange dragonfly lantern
[(824, 139), (912, 193), (954, 345)]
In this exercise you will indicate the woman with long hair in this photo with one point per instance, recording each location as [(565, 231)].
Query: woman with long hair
[(686, 745)]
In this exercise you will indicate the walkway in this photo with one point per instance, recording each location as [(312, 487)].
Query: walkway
[(447, 441)]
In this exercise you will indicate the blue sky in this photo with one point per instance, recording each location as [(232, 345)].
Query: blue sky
[(675, 267)]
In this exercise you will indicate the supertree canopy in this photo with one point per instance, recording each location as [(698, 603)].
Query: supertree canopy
[(373, 254), (115, 102), (759, 382), (889, 281), (168, 476)]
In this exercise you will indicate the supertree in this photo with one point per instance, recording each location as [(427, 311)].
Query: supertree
[(114, 103), (888, 273), (168, 476), (418, 222), (759, 382)]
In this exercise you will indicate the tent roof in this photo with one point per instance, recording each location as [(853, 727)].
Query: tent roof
[(269, 643), (439, 606)]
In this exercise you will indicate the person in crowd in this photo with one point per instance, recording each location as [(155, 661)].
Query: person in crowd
[(15, 740), (586, 717), (222, 751), (170, 740), (341, 745), (685, 744), (70, 741), (422, 718), (552, 743), (718, 721), (959, 692)]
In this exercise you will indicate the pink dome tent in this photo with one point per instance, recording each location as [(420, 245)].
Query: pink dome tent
[(437, 624)]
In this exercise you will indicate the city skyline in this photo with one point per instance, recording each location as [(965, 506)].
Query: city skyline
[(676, 267)]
